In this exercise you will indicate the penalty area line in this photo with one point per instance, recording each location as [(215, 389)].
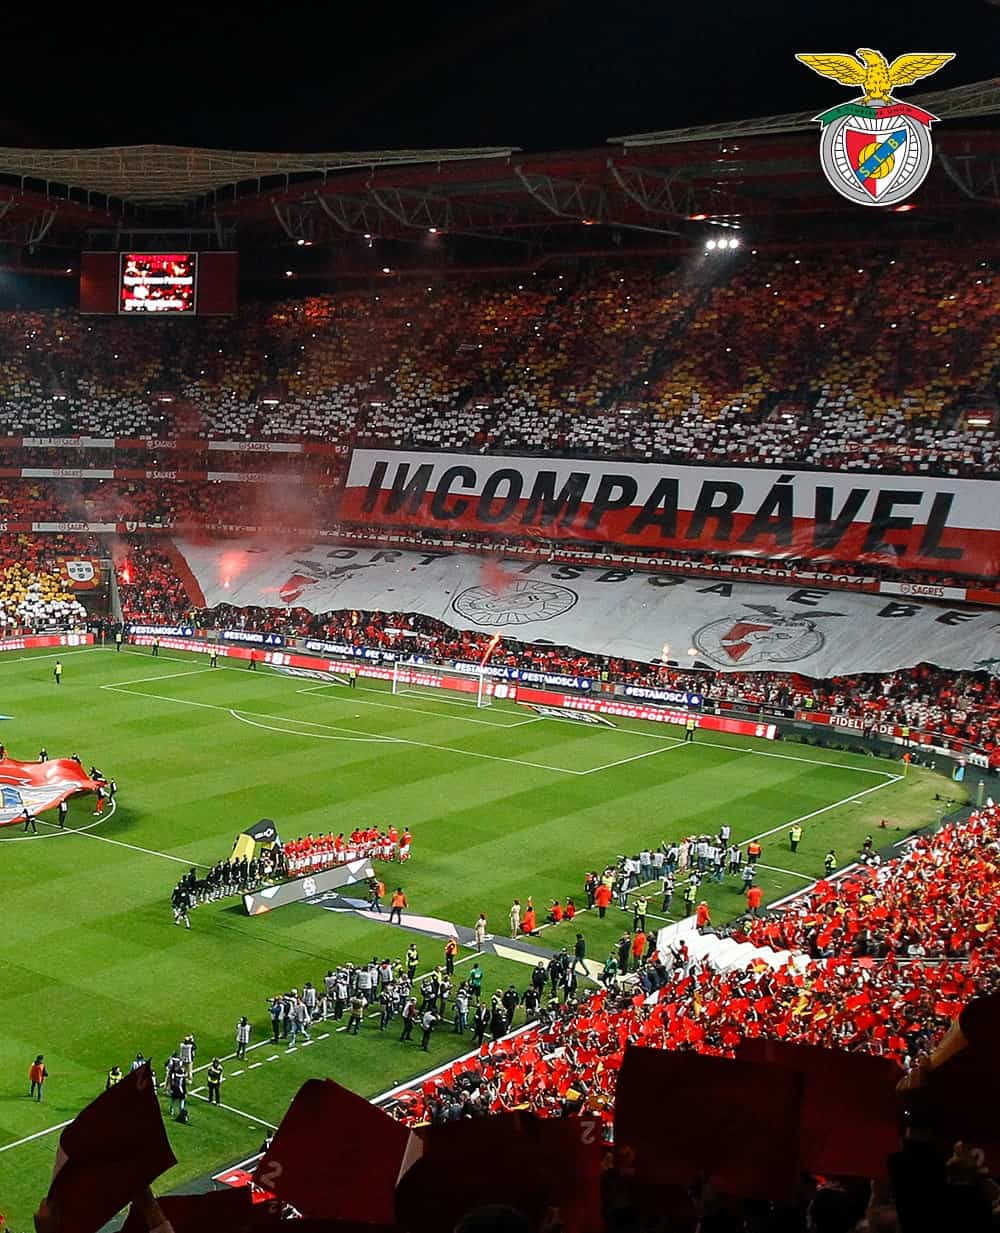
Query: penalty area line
[(650, 753), (398, 740), (335, 736), (412, 710)]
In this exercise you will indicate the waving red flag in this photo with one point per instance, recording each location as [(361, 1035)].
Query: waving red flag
[(739, 1126), (109, 1154), (849, 1114), (335, 1156), (218, 1211), (515, 1159), (37, 786)]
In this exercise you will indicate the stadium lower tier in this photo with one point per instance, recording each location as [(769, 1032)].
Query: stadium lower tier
[(160, 587), (961, 705), (868, 963)]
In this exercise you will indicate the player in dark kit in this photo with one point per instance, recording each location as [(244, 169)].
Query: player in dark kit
[(180, 901)]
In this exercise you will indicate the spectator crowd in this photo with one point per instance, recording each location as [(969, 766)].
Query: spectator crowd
[(554, 361), (862, 988)]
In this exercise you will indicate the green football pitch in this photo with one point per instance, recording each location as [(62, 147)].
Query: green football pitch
[(502, 803)]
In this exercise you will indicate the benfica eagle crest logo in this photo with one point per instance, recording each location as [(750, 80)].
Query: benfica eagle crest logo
[(874, 150), (763, 635)]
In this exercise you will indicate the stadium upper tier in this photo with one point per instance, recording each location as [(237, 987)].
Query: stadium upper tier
[(817, 360)]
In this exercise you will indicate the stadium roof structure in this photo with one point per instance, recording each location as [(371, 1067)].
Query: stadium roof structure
[(666, 184), (161, 175), (982, 98)]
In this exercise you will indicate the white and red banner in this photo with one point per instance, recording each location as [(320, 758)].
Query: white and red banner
[(36, 786), (81, 573), (733, 626), (32, 642), (912, 522)]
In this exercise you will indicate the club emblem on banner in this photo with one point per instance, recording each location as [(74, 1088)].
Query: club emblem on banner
[(874, 150), (770, 636), (80, 571), (37, 786), (524, 601)]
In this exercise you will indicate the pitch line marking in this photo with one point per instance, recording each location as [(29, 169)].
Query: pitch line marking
[(414, 710), (635, 757), (59, 830), (826, 808), (399, 740), (250, 1117), (164, 676), (887, 776), (524, 1027), (120, 843), (840, 766), (37, 1135), (761, 753), (792, 873), (360, 740), (18, 659), (368, 689)]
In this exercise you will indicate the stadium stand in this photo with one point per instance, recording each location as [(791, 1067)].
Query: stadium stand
[(860, 990), (961, 706), (553, 362)]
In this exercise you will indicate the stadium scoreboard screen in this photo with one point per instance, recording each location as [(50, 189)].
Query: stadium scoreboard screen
[(158, 283), (165, 284)]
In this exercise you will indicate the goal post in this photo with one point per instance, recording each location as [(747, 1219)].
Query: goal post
[(472, 685)]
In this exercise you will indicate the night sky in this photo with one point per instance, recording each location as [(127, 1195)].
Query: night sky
[(544, 75)]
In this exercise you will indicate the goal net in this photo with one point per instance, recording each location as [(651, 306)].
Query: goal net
[(473, 686)]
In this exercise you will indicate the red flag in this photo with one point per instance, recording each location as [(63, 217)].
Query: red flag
[(515, 1159), (36, 786), (849, 1114), (736, 1122), (335, 1156), (111, 1152), (219, 1211), (232, 1210)]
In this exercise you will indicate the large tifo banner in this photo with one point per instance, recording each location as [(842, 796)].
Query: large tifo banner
[(940, 524), (735, 626)]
